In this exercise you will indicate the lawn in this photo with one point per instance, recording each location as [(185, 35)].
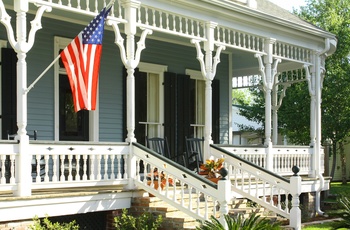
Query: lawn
[(336, 189)]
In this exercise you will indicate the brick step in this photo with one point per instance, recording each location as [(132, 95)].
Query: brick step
[(175, 219)]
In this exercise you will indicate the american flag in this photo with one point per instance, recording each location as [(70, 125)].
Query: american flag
[(81, 59)]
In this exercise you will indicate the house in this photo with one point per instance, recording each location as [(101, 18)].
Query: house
[(166, 70)]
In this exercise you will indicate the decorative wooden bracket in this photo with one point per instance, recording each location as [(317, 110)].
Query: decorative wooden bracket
[(268, 83), (5, 19), (208, 73), (120, 42)]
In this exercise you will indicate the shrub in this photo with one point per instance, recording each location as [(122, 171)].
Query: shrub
[(46, 224), (147, 221), (253, 222), (344, 202)]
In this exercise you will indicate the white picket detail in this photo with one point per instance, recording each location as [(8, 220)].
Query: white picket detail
[(169, 22), (239, 40), (261, 186), (69, 163), (290, 52)]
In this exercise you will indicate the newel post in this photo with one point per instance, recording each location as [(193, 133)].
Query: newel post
[(295, 212), (224, 189)]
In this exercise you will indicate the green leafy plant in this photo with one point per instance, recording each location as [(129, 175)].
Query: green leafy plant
[(46, 224), (253, 222), (147, 221), (344, 202)]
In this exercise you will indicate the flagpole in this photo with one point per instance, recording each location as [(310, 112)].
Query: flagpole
[(110, 4), (41, 75)]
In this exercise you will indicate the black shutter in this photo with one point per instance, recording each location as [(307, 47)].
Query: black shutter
[(8, 92), (170, 111), (216, 111), (183, 111), (140, 105)]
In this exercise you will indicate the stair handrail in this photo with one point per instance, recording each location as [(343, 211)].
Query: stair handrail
[(204, 194), (256, 183)]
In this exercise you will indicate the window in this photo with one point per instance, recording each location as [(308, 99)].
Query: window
[(154, 94), (70, 126), (197, 103)]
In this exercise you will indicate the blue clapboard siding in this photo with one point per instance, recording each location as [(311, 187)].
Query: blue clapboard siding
[(178, 58)]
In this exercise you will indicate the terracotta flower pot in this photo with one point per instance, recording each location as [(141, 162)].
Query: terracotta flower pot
[(214, 179)]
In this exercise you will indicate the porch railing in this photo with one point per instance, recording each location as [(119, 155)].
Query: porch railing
[(284, 157), (66, 164), (261, 186)]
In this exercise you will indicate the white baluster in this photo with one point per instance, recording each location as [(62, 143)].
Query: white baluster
[(119, 167), (154, 18), (70, 158), (161, 20), (92, 166), (180, 24), (54, 170), (174, 23), (78, 4), (192, 27), (105, 176), (87, 5), (198, 29), (139, 15), (2, 172), (85, 169), (13, 179), (77, 168), (96, 6), (37, 159), (62, 177), (146, 15), (113, 173), (126, 158), (239, 39), (99, 177), (167, 21), (46, 169)]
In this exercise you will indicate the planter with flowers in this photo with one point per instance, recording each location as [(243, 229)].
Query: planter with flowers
[(159, 180), (211, 169)]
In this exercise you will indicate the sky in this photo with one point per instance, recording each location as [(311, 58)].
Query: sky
[(289, 4)]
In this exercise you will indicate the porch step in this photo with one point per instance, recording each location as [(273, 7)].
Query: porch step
[(175, 219)]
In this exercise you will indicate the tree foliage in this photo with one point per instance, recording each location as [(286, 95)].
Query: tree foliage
[(294, 114)]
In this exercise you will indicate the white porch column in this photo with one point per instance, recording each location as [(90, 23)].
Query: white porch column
[(130, 30), (312, 91), (23, 162), (318, 130), (208, 70), (268, 73), (274, 115), (130, 58), (268, 60)]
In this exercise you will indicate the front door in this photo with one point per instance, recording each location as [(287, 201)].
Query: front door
[(73, 126)]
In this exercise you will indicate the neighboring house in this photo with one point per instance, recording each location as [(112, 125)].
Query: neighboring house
[(166, 71), (240, 137)]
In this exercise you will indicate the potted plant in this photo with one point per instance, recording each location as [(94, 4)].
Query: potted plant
[(158, 177), (211, 168)]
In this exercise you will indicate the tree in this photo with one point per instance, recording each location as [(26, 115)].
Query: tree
[(294, 114)]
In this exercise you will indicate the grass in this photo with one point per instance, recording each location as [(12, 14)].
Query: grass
[(337, 189)]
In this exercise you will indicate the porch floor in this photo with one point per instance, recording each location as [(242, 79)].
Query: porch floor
[(63, 192)]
